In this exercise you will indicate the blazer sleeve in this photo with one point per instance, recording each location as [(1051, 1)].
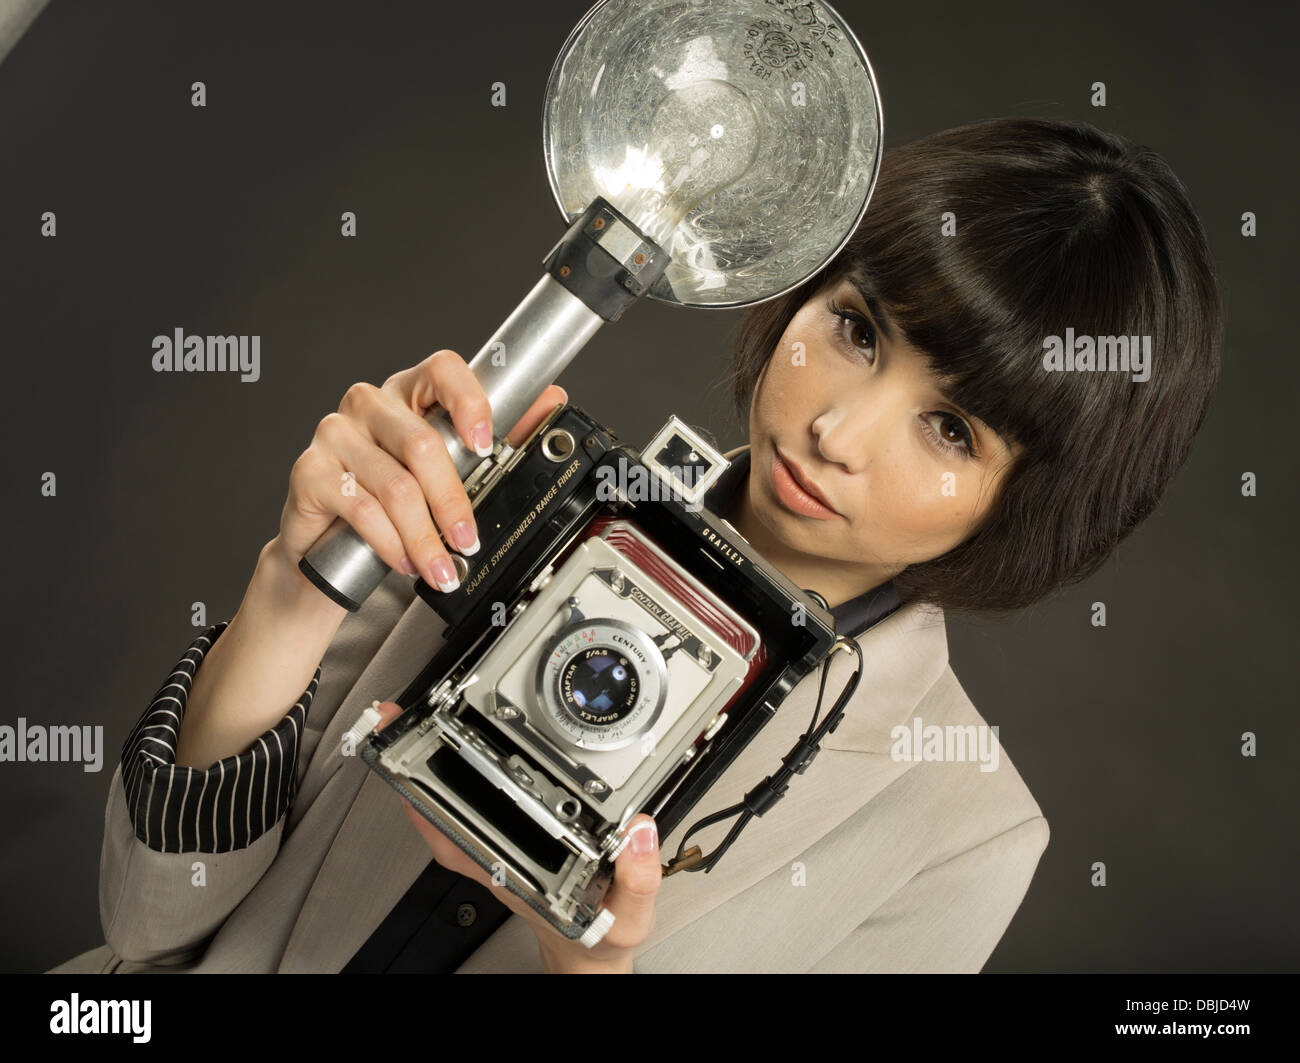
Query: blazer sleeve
[(182, 847), (948, 917)]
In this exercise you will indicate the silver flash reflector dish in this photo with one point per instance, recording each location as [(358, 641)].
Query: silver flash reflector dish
[(744, 138)]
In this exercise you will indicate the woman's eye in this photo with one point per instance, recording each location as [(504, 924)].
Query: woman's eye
[(854, 331), (950, 434)]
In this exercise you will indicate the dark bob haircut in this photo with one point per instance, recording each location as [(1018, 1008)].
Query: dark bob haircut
[(1057, 225)]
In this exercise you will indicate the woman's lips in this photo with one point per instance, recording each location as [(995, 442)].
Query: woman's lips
[(792, 494)]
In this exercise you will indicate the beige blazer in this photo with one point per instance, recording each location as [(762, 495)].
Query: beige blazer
[(868, 863)]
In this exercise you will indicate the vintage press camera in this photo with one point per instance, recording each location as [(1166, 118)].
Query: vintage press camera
[(611, 649)]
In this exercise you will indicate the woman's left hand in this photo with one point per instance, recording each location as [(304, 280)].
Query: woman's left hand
[(631, 897)]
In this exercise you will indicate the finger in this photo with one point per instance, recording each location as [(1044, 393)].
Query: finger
[(317, 475), (401, 495), (388, 712), (553, 396), (442, 847), (637, 877), (445, 851), (421, 450), (444, 379), (451, 856)]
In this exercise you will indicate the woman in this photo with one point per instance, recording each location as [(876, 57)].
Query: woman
[(921, 440)]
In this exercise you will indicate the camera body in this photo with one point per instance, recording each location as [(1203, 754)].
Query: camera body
[(610, 650)]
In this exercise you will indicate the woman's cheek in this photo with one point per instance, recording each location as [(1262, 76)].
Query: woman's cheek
[(786, 385), (931, 509)]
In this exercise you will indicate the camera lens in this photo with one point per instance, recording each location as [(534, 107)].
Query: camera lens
[(599, 686)]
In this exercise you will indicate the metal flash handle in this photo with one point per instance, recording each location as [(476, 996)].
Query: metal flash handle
[(600, 266)]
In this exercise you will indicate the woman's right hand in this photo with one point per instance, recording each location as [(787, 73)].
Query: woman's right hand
[(401, 466)]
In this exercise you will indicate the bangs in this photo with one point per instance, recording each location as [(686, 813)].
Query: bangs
[(980, 303)]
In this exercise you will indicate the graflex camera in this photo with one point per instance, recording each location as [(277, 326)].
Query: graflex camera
[(610, 650), (614, 645)]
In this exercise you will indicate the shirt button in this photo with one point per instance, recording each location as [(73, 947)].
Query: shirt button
[(466, 914)]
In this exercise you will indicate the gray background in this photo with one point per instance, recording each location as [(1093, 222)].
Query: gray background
[(225, 220)]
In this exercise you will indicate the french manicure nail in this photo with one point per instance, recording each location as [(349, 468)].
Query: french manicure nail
[(444, 575), (642, 838), (481, 436), (408, 566), (463, 536)]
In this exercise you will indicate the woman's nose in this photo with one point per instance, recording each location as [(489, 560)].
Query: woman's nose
[(844, 434)]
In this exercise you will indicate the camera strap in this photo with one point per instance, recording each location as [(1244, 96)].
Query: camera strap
[(773, 788)]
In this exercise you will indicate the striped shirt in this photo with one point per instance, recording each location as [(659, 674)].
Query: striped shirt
[(230, 805)]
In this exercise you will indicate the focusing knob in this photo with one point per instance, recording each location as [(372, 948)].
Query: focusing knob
[(592, 936)]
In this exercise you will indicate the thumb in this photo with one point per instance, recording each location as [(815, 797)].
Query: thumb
[(637, 874)]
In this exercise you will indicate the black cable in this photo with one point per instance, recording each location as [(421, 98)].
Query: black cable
[(773, 788)]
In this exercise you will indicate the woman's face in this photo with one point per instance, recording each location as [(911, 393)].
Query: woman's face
[(908, 474)]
